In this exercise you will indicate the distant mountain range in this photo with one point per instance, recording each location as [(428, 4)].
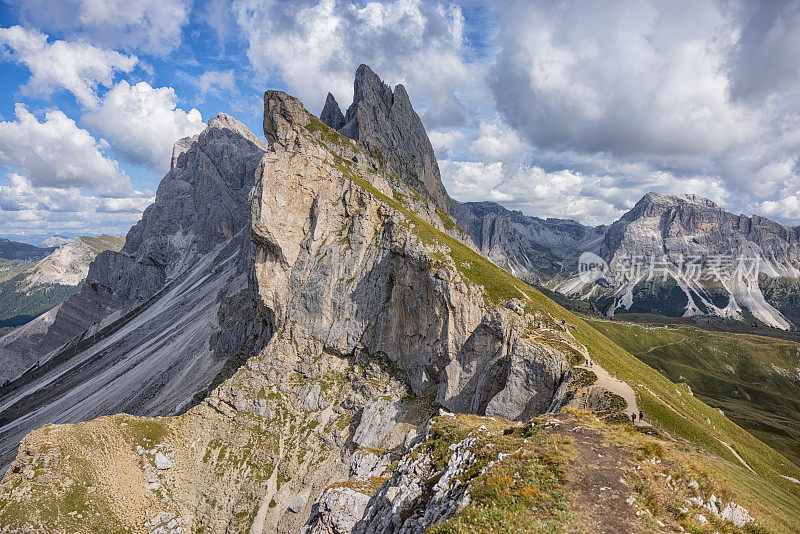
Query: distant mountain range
[(673, 255), (55, 241), (35, 279)]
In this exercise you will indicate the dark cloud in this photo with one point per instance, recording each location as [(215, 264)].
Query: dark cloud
[(687, 89), (764, 61)]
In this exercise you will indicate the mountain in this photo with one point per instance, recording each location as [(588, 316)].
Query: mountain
[(17, 257), (55, 241), (69, 264), (385, 123), (155, 323), (674, 255), (13, 250), (330, 253), (532, 249), (34, 287), (372, 372)]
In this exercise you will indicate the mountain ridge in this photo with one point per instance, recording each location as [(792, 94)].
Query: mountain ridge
[(30, 287), (178, 282), (360, 316), (658, 226)]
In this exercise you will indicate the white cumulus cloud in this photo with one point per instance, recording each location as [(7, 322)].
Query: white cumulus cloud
[(316, 46), (57, 153), (77, 67), (496, 141), (215, 82), (142, 122), (26, 209), (149, 26), (444, 142), (680, 97), (627, 77)]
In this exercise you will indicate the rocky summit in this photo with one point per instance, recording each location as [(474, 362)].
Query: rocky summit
[(671, 255), (384, 122), (157, 322), (297, 337), (341, 256)]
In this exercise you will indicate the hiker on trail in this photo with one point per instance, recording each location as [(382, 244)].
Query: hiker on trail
[(641, 416), (633, 418), (591, 362)]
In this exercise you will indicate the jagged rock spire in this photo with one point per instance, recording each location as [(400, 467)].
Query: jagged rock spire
[(332, 114), (385, 122)]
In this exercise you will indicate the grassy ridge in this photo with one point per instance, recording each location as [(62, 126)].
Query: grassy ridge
[(548, 478), (765, 491), (754, 379)]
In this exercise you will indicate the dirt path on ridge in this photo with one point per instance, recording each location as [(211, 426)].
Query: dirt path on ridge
[(597, 478)]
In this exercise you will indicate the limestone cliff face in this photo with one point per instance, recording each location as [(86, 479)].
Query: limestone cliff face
[(385, 123), (336, 262), (374, 315), (155, 323)]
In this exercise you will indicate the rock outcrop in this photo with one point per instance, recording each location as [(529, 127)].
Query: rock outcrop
[(156, 323), (317, 226), (674, 255), (332, 114), (371, 313), (406, 502), (384, 122)]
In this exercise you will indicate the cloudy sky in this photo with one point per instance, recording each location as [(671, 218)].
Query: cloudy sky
[(560, 109)]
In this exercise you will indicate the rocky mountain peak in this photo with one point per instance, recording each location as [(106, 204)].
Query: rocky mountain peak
[(385, 123), (282, 115), (202, 201), (224, 121), (662, 200), (183, 276), (369, 89), (302, 323), (332, 114)]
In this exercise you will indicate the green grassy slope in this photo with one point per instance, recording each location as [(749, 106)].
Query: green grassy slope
[(549, 477), (104, 242), (11, 268), (19, 305), (754, 379), (764, 490)]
